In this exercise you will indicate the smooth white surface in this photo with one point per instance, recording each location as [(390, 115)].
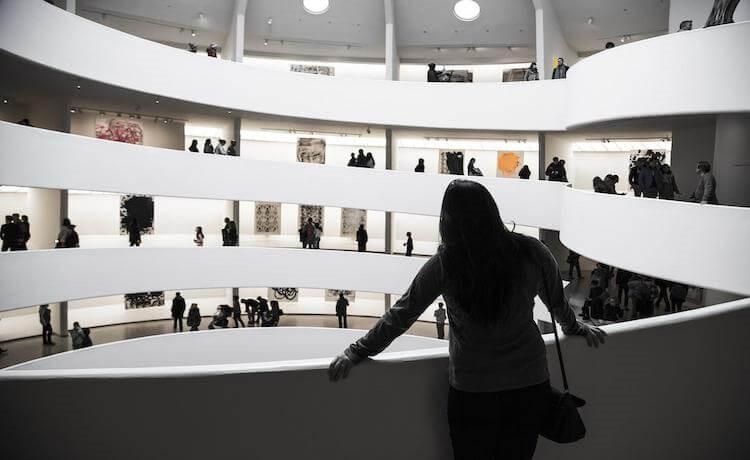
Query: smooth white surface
[(699, 245), (647, 371), (651, 77), (35, 157)]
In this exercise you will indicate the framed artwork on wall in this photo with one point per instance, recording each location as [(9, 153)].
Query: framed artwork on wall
[(144, 300), (283, 294), (119, 129), (316, 213), (326, 70), (267, 218), (140, 207), (451, 162), (509, 163), (351, 219), (332, 295), (311, 150)]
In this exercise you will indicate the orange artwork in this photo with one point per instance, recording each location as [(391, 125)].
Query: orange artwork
[(508, 164)]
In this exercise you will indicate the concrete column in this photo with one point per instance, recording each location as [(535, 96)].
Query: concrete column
[(392, 61), (732, 159), (550, 41), (234, 44), (390, 144), (541, 158)]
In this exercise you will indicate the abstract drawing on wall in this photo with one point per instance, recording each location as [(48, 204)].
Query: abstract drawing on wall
[(311, 150), (119, 129), (351, 219), (314, 69), (452, 162), (509, 163), (332, 295), (140, 207), (313, 212), (283, 294), (267, 218), (144, 300)]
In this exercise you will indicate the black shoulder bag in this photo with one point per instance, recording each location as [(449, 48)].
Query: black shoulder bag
[(563, 423)]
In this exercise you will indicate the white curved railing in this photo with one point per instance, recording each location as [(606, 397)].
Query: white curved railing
[(34, 157), (652, 77), (665, 381)]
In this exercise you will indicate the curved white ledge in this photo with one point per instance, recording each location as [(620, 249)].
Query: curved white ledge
[(630, 379), (648, 78), (71, 274), (700, 245), (34, 157)]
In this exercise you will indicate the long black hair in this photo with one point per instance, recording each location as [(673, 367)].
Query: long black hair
[(478, 253)]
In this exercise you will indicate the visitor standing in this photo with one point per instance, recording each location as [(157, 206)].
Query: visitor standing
[(472, 170), (409, 244), (45, 319), (67, 237), (525, 172), (648, 179), (317, 235), (361, 239), (220, 147), (574, 264), (361, 159), (440, 317), (194, 317), (207, 147), (621, 280), (677, 295), (369, 161), (9, 233), (134, 233), (489, 277), (237, 312), (532, 73), (341, 305), (178, 311), (25, 233), (705, 192), (667, 183), (229, 233), (309, 234), (420, 166), (352, 160), (553, 171), (433, 76), (561, 71), (194, 146), (199, 236), (232, 149)]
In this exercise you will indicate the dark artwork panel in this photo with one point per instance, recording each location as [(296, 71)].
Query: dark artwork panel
[(283, 294), (452, 162), (140, 207), (144, 299)]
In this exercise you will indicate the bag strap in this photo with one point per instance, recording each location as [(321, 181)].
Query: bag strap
[(559, 352)]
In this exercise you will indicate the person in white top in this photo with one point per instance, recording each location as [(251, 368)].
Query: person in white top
[(221, 147)]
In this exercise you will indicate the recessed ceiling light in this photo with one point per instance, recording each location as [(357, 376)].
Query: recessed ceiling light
[(590, 20), (156, 101), (466, 10), (78, 86), (5, 101), (269, 21), (265, 42), (316, 6), (192, 33)]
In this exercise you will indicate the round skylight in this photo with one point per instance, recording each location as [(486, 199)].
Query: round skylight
[(466, 10), (316, 6)]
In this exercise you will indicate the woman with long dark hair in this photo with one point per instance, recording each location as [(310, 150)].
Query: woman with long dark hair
[(488, 277)]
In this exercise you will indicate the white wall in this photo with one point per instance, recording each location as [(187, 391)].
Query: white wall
[(155, 134), (698, 11)]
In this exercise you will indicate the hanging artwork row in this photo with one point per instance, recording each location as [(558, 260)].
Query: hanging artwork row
[(311, 150)]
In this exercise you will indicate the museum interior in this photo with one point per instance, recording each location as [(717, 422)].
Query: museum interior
[(205, 202)]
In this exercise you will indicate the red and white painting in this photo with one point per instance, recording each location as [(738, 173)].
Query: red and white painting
[(118, 129)]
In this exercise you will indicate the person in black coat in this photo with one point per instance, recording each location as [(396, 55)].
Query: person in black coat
[(561, 71), (194, 146), (45, 319), (207, 147), (648, 180), (352, 160), (361, 239), (134, 233), (621, 280), (433, 76), (341, 305), (409, 244), (262, 306), (229, 233), (525, 172), (361, 159), (251, 308), (420, 166), (574, 264), (178, 311), (237, 312), (194, 317), (9, 233)]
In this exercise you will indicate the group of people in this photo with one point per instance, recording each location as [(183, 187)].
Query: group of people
[(559, 72), (309, 234), (15, 232), (555, 171), (650, 178), (212, 50), (643, 293), (258, 313), (361, 160), (80, 337), (220, 148)]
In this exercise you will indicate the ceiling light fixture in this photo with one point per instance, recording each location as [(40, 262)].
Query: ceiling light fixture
[(269, 21), (590, 20), (265, 42), (72, 110), (192, 33), (316, 6), (156, 101), (466, 10), (5, 101)]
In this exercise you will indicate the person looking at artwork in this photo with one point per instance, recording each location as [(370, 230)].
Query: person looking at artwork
[(525, 172), (440, 317), (599, 185), (409, 244), (199, 237), (237, 312), (361, 159), (532, 73), (25, 233), (352, 160), (621, 280), (9, 232), (192, 47), (316, 236), (433, 76), (420, 166), (634, 174), (341, 306), (232, 149), (497, 367), (472, 170), (178, 311), (80, 336), (648, 180), (705, 192), (229, 233), (194, 146), (134, 232), (45, 319), (667, 183), (361, 239), (561, 71), (220, 147), (307, 235), (369, 161), (677, 295), (67, 237), (207, 147), (262, 306), (574, 263), (194, 317), (251, 308), (212, 50), (563, 171)]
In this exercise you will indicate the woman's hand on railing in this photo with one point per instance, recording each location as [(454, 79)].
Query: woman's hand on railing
[(594, 336)]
